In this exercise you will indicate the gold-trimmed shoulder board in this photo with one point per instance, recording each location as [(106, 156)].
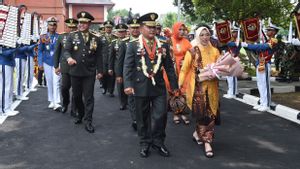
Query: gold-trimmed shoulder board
[(126, 39), (134, 40)]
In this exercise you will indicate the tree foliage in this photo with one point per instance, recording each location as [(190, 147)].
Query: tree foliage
[(169, 19), (237, 10), (121, 12)]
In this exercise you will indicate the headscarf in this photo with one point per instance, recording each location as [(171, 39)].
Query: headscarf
[(196, 40), (176, 28)]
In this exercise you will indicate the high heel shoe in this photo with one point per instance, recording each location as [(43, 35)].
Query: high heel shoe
[(185, 120), (208, 153), (198, 141), (176, 119)]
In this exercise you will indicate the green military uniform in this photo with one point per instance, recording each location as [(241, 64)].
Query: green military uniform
[(150, 93), (113, 62), (61, 62), (132, 23), (85, 48), (108, 81)]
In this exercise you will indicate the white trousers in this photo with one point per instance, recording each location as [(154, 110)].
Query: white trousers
[(29, 73), (232, 85), (263, 84), (6, 87), (53, 84), (20, 73)]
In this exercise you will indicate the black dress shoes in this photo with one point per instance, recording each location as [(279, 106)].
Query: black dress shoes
[(104, 91), (64, 109), (145, 152), (73, 113), (78, 121), (162, 150), (122, 107), (134, 126), (89, 128)]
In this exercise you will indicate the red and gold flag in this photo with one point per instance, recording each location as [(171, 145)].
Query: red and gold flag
[(223, 32), (251, 30)]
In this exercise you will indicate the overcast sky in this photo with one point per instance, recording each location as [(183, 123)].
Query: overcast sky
[(145, 6)]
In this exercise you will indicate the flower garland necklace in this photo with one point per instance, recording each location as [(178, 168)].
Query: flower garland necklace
[(151, 53)]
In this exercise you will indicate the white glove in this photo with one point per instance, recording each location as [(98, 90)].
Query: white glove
[(19, 41), (244, 44), (295, 42)]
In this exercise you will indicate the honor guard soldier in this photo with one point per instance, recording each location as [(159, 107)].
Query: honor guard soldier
[(108, 81), (234, 48), (143, 78), (134, 34), (61, 65), (113, 63), (31, 55), (83, 54), (20, 58), (46, 50), (7, 64), (265, 52)]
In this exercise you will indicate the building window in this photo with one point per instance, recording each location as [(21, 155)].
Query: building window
[(1, 1)]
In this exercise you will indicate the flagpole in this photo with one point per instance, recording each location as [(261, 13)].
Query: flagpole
[(179, 10)]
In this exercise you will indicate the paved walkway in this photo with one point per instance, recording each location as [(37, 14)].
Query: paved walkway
[(39, 138)]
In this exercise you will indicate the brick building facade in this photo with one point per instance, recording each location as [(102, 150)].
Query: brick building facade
[(63, 9)]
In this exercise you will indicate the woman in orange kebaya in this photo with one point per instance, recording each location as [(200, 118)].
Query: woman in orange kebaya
[(180, 46)]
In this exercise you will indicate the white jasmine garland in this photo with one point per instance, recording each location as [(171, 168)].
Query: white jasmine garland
[(143, 61)]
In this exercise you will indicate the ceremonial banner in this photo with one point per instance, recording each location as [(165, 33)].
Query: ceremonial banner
[(297, 20), (251, 29), (223, 32)]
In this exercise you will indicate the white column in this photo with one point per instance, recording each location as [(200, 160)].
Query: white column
[(105, 13), (71, 11)]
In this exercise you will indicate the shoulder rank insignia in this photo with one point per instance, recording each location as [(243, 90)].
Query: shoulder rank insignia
[(134, 40), (126, 39)]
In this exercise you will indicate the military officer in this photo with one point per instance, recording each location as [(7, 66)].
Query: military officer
[(102, 29), (61, 65), (108, 80), (158, 29), (134, 34), (83, 54), (46, 49), (113, 61), (143, 78)]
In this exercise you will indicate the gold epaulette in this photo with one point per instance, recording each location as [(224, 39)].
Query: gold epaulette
[(126, 39), (95, 34), (163, 41), (134, 40), (43, 35), (272, 42), (74, 31)]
